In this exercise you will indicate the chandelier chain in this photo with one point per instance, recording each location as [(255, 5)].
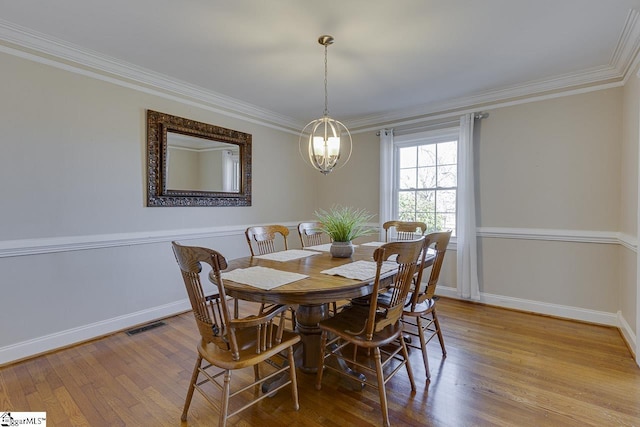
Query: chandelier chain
[(326, 93)]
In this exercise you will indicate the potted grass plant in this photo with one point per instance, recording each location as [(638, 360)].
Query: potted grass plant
[(343, 225)]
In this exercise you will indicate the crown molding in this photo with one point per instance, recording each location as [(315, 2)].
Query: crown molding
[(621, 63), (625, 54), (553, 85), (19, 40), (69, 54)]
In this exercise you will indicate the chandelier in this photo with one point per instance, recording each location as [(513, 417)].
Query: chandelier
[(327, 142)]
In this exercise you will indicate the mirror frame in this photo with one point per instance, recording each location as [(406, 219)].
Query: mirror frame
[(158, 124)]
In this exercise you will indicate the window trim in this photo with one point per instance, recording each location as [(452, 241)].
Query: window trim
[(414, 139)]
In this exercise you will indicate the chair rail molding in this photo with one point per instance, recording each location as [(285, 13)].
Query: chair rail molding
[(37, 246), (561, 235)]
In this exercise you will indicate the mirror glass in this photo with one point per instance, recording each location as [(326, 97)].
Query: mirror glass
[(191, 163), (201, 164)]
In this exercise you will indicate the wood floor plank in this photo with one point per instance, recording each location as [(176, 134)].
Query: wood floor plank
[(503, 368), (71, 409)]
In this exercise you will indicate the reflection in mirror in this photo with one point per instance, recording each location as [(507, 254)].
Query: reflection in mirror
[(201, 164), (191, 163)]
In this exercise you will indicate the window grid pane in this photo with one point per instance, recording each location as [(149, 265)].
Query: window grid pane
[(427, 184)]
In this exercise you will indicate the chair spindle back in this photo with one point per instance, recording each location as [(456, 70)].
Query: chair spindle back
[(262, 239), (438, 241), (407, 256), (403, 230)]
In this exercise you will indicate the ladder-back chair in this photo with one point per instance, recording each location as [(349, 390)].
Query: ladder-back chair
[(403, 230), (262, 239), (420, 316), (229, 344), (311, 234), (374, 328)]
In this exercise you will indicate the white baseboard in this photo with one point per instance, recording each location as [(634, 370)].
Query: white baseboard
[(33, 347), (30, 348), (627, 333), (568, 312)]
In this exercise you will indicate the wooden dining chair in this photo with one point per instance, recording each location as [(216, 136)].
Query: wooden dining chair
[(361, 329), (263, 239), (311, 234), (403, 230), (230, 344), (419, 315)]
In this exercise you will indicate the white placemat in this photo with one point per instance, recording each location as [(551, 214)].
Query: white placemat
[(262, 277), (288, 255), (322, 248), (360, 270), (373, 244)]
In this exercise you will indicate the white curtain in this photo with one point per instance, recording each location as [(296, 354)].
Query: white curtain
[(467, 255), (386, 178)]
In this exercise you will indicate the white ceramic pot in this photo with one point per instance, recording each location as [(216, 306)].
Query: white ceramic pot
[(341, 249)]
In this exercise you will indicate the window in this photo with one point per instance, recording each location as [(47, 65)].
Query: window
[(425, 178)]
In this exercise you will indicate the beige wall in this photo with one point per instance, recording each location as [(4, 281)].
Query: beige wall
[(628, 304), (73, 168), (73, 165), (552, 164), (59, 126), (358, 182)]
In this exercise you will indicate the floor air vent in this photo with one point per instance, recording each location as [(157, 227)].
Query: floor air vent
[(145, 328)]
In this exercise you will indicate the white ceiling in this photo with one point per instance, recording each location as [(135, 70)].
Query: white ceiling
[(391, 59)]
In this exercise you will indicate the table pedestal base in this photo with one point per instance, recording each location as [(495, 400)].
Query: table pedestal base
[(308, 317)]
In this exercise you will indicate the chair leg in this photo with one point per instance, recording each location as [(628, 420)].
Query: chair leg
[(440, 337), (323, 344), (381, 389), (405, 352), (294, 379), (423, 346), (224, 406), (192, 387), (256, 376), (294, 319)]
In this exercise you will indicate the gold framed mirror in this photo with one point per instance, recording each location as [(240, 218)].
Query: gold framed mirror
[(191, 163)]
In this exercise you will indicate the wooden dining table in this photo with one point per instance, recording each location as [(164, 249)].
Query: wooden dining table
[(312, 294)]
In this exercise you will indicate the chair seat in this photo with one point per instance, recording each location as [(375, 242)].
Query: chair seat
[(420, 309), (247, 347), (425, 307), (350, 322)]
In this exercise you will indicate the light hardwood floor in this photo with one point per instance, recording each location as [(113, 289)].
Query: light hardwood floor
[(503, 368)]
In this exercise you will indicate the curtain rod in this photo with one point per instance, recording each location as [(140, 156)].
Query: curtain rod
[(478, 116)]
